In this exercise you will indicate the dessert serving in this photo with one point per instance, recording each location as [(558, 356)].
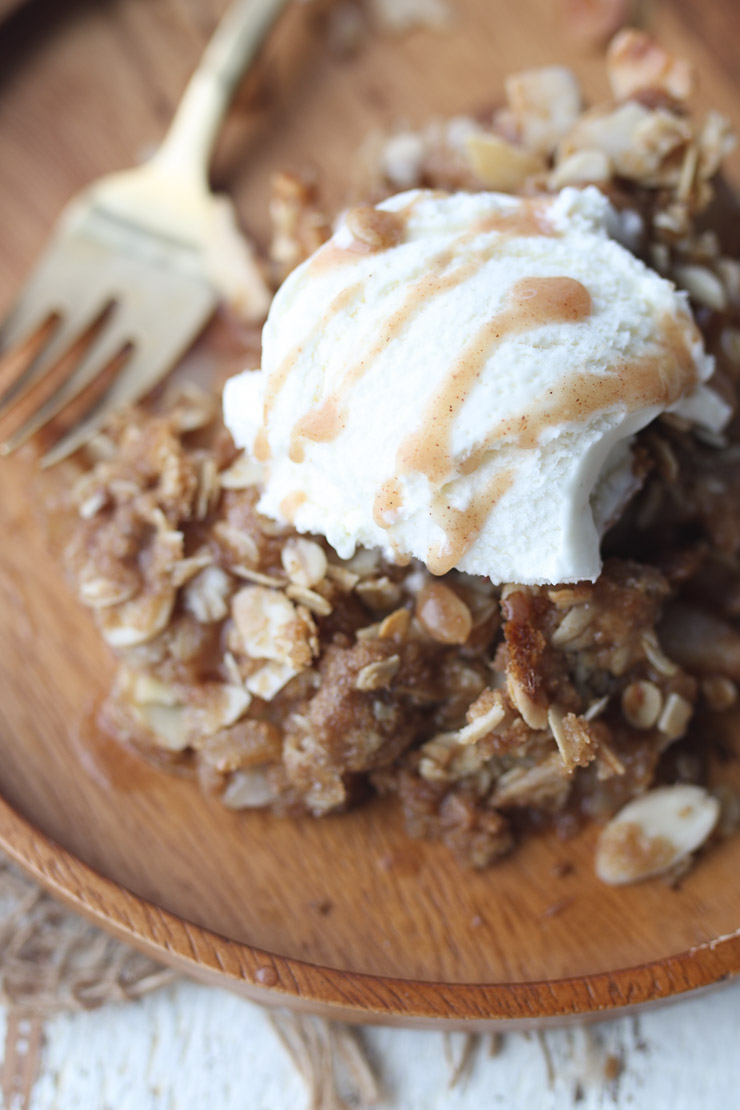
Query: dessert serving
[(471, 538)]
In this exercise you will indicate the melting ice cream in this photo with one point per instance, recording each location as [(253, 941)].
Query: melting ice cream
[(458, 378)]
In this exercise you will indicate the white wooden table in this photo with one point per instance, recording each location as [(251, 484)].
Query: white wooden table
[(192, 1048)]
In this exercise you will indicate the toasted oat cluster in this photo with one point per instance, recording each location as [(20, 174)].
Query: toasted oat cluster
[(291, 679)]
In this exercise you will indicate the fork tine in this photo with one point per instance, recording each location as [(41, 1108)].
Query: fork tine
[(71, 329), (93, 362), (20, 323), (140, 374), (42, 297)]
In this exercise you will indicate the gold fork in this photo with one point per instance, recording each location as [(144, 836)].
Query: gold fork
[(128, 254)]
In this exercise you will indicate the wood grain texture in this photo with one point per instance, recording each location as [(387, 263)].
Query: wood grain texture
[(344, 914)]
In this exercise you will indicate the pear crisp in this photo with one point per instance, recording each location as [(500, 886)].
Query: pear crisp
[(288, 678)]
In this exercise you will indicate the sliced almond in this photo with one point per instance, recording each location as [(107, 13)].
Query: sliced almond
[(345, 579), (314, 601), (249, 788), (544, 786), (584, 167), (243, 473), (534, 714), (156, 707), (720, 692), (674, 720), (304, 562), (716, 139), (379, 594), (444, 614), (269, 679), (270, 626), (572, 626), (485, 722), (655, 832), (257, 577), (635, 62), (91, 505), (187, 569), (573, 738), (207, 595), (168, 725), (218, 705), (642, 703), (642, 144), (499, 164), (656, 656), (545, 103), (240, 547), (378, 675), (702, 285), (102, 593), (137, 621), (395, 626)]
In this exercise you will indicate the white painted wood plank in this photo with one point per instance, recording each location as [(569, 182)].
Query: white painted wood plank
[(191, 1048)]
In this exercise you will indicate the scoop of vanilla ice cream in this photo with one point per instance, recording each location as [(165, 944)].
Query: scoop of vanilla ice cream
[(458, 378)]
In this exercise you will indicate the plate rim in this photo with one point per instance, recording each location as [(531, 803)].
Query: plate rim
[(272, 979)]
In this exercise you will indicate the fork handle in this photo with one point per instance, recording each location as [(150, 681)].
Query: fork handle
[(187, 147)]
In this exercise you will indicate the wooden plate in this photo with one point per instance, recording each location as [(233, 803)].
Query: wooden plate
[(346, 914)]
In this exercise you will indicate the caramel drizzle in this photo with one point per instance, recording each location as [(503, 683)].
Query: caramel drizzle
[(532, 303), (277, 380), (261, 448), (332, 256), (320, 425), (388, 503), (527, 220), (290, 505), (461, 527), (659, 379), (327, 421), (654, 380)]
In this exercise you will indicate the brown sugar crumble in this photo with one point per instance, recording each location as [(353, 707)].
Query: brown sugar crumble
[(292, 680)]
